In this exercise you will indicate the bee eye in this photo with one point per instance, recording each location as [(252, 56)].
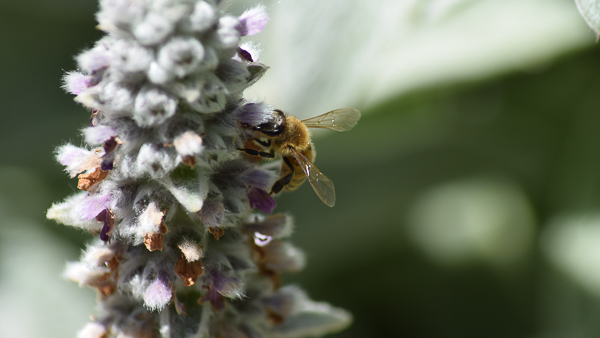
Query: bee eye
[(268, 127)]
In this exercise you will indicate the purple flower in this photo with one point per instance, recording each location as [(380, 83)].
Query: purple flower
[(229, 287), (75, 83), (253, 21), (262, 240), (162, 184), (214, 298), (158, 294), (108, 158), (106, 217), (98, 134), (94, 59), (260, 199), (92, 205), (259, 178), (69, 155), (254, 113), (244, 54)]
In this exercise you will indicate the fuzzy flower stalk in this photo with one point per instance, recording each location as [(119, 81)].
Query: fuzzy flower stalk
[(186, 244)]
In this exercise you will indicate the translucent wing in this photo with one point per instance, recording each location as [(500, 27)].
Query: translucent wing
[(339, 120), (322, 185)]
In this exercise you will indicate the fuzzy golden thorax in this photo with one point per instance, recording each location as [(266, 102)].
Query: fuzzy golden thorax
[(295, 136)]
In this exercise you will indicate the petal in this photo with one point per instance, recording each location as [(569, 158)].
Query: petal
[(253, 20), (158, 294), (260, 199)]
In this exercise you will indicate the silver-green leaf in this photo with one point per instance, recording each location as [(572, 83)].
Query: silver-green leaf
[(590, 10)]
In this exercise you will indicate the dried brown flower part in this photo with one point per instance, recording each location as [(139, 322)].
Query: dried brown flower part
[(105, 285), (153, 241), (152, 220), (88, 181), (113, 265), (163, 228), (188, 271), (217, 232), (189, 160)]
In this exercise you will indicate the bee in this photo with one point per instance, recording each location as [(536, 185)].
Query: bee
[(290, 138)]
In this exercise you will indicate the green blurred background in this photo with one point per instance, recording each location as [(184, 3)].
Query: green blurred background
[(468, 195)]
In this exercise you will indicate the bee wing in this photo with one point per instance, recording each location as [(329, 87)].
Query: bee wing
[(339, 120), (322, 185)]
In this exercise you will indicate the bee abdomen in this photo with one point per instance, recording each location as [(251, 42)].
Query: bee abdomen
[(296, 181)]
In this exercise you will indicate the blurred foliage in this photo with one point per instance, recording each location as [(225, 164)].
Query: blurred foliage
[(529, 136), (537, 129)]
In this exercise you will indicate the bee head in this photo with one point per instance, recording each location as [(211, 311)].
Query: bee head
[(275, 126)]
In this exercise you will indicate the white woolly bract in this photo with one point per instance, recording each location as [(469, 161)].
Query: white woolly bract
[(315, 319), (157, 295), (286, 301), (288, 228), (69, 212), (95, 58), (153, 106), (77, 159), (158, 75), (202, 18), (283, 257), (188, 143), (84, 274), (92, 330), (153, 29), (152, 160), (98, 253), (227, 35), (181, 56), (234, 290), (190, 195), (206, 94), (190, 249), (129, 58), (115, 98), (276, 226), (150, 219), (98, 134)]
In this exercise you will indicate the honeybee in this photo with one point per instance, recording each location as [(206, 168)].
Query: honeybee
[(290, 138)]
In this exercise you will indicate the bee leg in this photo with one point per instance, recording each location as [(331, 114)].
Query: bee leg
[(255, 152), (262, 143), (282, 182)]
